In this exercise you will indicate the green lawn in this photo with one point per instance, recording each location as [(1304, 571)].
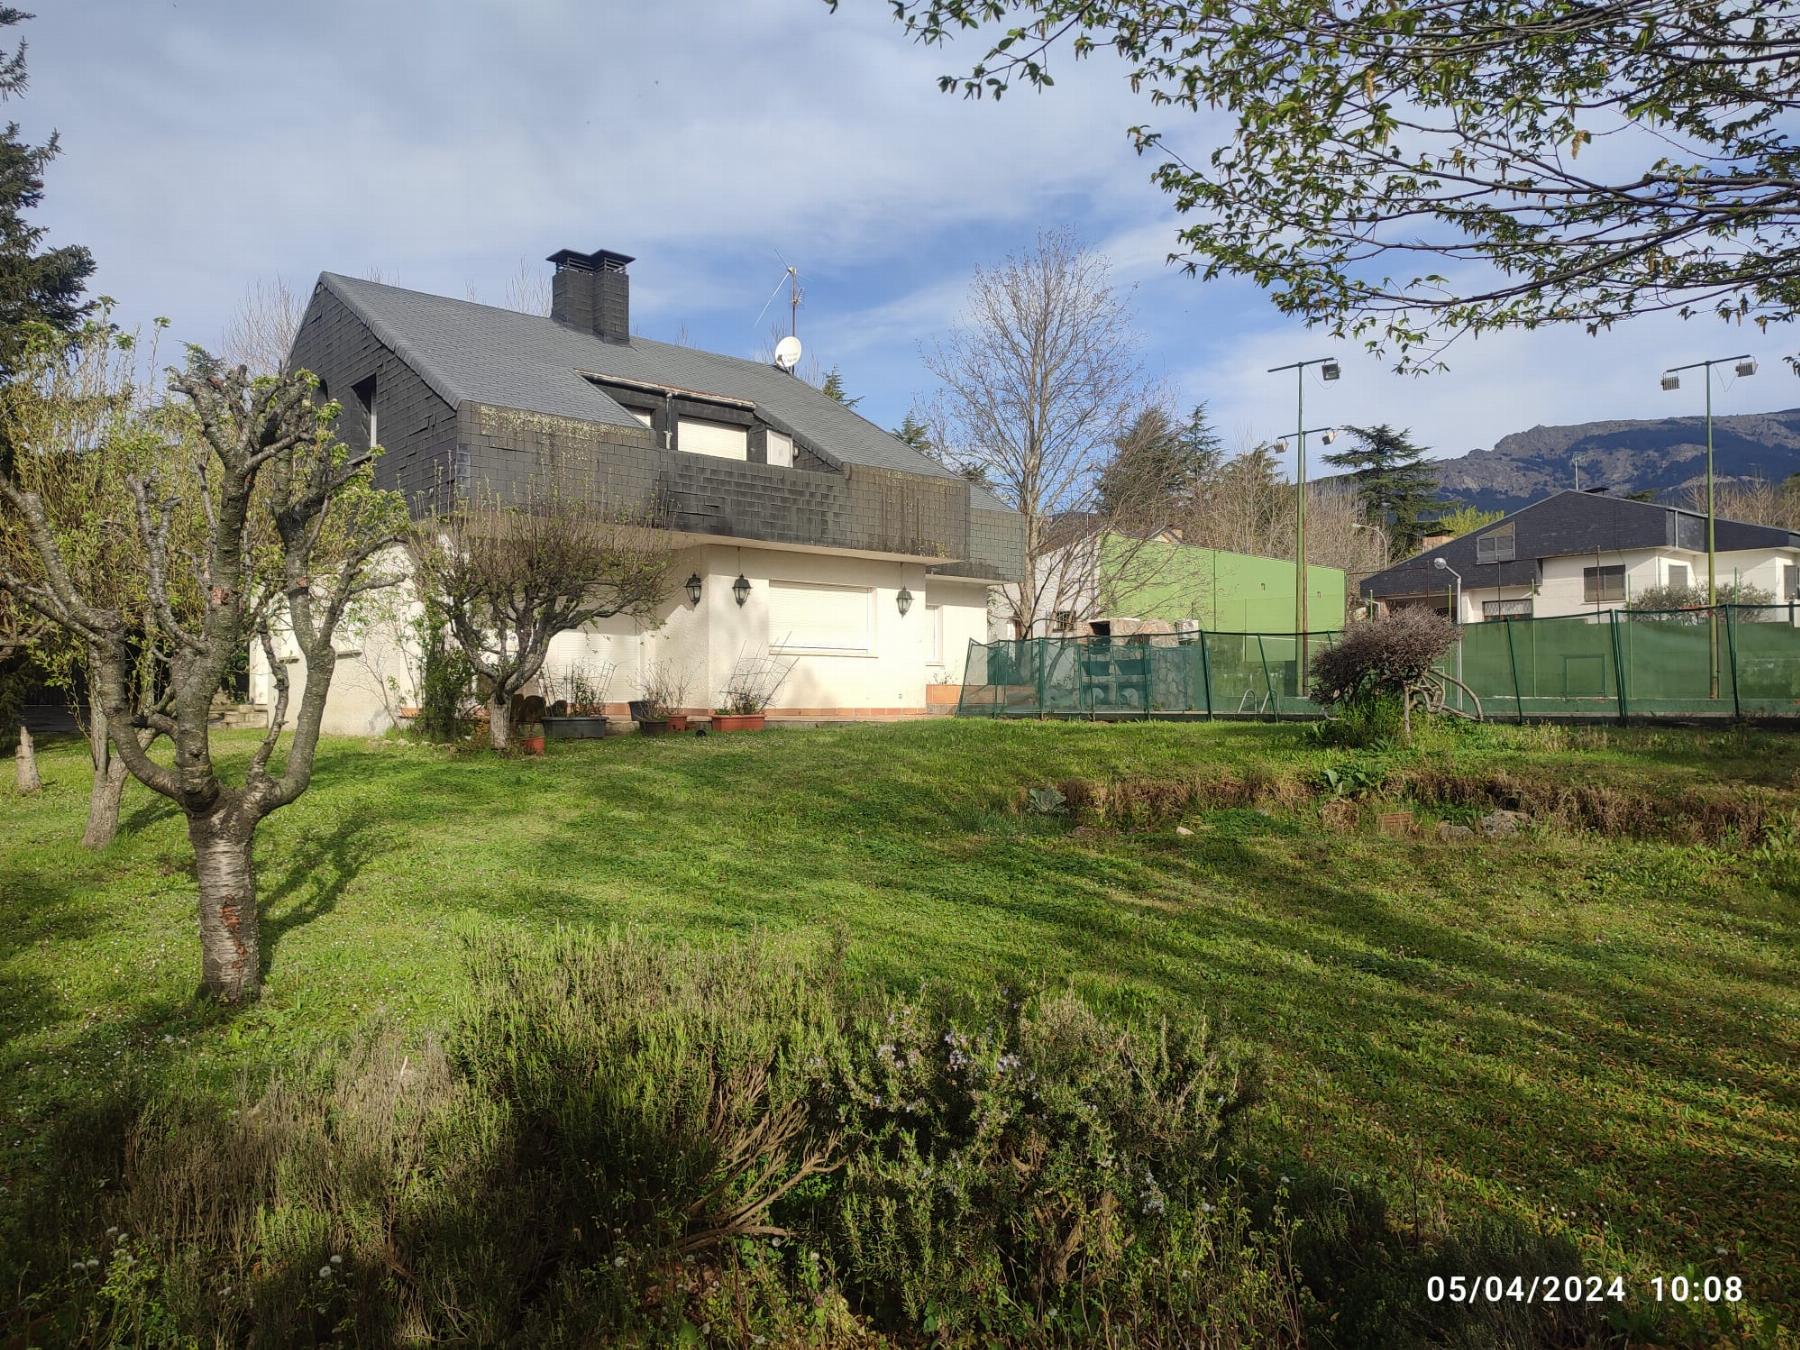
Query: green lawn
[(1598, 1036)]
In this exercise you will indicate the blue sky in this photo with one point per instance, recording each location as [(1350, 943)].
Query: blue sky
[(208, 145)]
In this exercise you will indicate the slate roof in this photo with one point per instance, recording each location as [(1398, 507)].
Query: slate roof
[(1567, 523), (482, 354)]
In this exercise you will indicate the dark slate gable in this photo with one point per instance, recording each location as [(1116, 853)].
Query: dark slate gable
[(482, 354), (1565, 524)]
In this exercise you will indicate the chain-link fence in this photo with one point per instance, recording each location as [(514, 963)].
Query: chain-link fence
[(1728, 661)]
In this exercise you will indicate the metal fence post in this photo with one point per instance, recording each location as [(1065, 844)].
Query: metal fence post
[(1619, 672), (1737, 705), (1512, 657), (1268, 680), (1040, 676), (1206, 674)]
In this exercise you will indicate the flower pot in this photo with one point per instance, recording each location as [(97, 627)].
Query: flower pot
[(531, 740), (653, 726), (737, 721), (581, 728), (678, 721)]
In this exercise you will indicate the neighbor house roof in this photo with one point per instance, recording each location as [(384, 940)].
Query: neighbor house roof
[(1567, 523), (471, 353)]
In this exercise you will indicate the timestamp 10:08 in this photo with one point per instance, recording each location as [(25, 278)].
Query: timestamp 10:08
[(1580, 1289)]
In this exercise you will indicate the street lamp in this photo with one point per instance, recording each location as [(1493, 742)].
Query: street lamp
[(1442, 565), (1328, 369), (1744, 365)]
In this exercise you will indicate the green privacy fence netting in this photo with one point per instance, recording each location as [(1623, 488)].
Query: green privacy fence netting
[(1733, 660)]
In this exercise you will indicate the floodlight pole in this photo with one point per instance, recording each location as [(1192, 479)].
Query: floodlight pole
[(1671, 381), (1330, 372)]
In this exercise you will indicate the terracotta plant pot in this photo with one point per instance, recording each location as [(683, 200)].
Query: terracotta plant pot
[(532, 741), (678, 721), (737, 722)]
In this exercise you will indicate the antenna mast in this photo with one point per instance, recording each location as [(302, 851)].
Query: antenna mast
[(793, 301)]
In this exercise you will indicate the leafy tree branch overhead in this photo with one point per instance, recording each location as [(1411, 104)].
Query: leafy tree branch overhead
[(1407, 171)]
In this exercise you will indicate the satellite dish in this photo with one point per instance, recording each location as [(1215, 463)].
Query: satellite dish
[(787, 353)]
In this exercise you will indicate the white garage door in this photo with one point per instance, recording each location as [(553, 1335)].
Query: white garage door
[(805, 616)]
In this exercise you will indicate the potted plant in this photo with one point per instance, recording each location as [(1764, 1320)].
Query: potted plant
[(748, 693), (528, 717), (578, 702), (665, 691)]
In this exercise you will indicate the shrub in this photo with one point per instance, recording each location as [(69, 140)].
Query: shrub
[(628, 1142), (445, 679), (1027, 1170), (1369, 674), (1672, 600)]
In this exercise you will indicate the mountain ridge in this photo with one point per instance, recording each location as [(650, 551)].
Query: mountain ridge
[(1663, 455)]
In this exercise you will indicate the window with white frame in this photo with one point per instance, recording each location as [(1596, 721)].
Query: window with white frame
[(1681, 576), (807, 616), (780, 449), (1790, 583), (1497, 545), (1600, 584), (365, 399)]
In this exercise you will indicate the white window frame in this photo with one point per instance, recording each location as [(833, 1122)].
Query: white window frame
[(779, 644), (934, 623), (1687, 570)]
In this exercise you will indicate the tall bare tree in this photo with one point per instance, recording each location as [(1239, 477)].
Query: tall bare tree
[(509, 576), (262, 328), (528, 289), (1035, 385), (247, 514)]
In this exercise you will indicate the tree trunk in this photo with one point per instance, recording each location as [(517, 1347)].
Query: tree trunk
[(108, 787), (25, 759), (500, 722), (230, 953)]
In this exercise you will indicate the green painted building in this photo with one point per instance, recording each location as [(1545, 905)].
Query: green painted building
[(1225, 592)]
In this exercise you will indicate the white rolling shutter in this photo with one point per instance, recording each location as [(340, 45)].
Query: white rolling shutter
[(781, 449), (713, 438), (805, 616)]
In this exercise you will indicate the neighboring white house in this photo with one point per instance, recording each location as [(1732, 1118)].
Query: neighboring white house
[(1586, 553), (812, 535)]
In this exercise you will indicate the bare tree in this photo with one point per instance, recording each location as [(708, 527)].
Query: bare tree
[(1036, 383), (1756, 500), (261, 332), (528, 289), (510, 576), (246, 512)]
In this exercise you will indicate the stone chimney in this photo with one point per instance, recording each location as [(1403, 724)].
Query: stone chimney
[(592, 291)]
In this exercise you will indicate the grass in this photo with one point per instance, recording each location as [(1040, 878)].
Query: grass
[(1593, 1036)]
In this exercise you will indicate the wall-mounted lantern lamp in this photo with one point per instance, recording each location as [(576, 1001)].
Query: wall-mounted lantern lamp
[(904, 600), (693, 588), (741, 589)]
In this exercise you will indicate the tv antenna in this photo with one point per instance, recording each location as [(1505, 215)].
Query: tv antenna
[(791, 279)]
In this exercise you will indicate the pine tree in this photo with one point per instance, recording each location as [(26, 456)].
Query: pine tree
[(1157, 467), (1397, 485), (833, 388), (914, 432), (35, 287)]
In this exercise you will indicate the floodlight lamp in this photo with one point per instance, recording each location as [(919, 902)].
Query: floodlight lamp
[(1280, 447), (1329, 370), (1440, 564), (1671, 380), (1328, 437), (1746, 367)]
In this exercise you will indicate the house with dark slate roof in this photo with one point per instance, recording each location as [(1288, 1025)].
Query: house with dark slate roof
[(1586, 553), (810, 534)]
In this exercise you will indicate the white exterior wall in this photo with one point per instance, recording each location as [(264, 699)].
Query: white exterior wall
[(1562, 588), (377, 671)]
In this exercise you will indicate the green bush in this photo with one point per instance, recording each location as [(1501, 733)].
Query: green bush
[(445, 679), (1032, 1172)]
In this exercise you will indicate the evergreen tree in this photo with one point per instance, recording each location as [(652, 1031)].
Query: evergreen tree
[(1157, 467), (1396, 484), (911, 430), (35, 286), (833, 388)]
